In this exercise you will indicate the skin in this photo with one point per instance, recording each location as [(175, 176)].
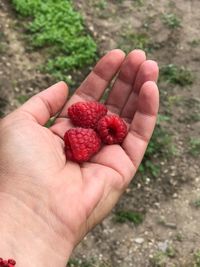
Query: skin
[(49, 204)]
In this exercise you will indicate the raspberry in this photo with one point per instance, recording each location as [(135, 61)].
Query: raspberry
[(86, 114), (81, 144), (12, 262), (112, 129)]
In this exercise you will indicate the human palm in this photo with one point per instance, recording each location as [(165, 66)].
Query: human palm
[(74, 197)]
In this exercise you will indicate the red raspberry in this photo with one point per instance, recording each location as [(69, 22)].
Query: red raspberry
[(86, 114), (81, 144), (12, 262), (112, 129)]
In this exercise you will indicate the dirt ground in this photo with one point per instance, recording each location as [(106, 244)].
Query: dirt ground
[(170, 232)]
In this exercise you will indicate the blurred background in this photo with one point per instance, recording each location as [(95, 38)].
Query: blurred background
[(157, 221)]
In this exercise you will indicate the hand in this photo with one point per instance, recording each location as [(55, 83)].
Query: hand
[(48, 202)]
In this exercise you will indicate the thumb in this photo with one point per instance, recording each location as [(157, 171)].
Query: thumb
[(47, 103)]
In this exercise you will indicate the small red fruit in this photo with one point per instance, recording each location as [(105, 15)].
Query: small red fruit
[(12, 262), (86, 114), (112, 129), (81, 144)]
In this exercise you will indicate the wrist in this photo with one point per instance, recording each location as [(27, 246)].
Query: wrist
[(27, 238)]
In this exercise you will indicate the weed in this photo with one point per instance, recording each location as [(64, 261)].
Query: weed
[(3, 104), (159, 259), (87, 263), (193, 110), (80, 263), (196, 203), (2, 45), (131, 216), (194, 146), (102, 4), (138, 2), (130, 40), (22, 98), (171, 20), (2, 36), (174, 100), (195, 43), (176, 75), (50, 122), (159, 146), (170, 252), (57, 26), (2, 48), (179, 237), (197, 259)]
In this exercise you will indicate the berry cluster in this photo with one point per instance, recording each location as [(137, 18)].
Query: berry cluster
[(7, 263), (93, 126)]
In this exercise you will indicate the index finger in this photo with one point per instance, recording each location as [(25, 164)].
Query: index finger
[(97, 81)]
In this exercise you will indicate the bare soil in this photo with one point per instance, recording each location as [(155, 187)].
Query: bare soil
[(170, 233)]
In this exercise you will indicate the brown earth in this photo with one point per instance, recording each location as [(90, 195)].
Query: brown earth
[(170, 232)]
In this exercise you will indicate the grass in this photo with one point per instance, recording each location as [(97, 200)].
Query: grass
[(194, 146), (171, 20), (56, 25), (129, 216), (174, 74)]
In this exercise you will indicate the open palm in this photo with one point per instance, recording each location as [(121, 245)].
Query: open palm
[(73, 198)]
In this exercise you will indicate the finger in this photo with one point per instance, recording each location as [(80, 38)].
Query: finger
[(61, 126), (148, 72), (47, 103), (125, 80), (143, 123), (97, 81)]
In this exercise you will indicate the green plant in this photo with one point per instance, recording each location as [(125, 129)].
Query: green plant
[(170, 252), (102, 4), (2, 45), (129, 40), (159, 146), (159, 259), (3, 104), (171, 20), (195, 42), (196, 203), (179, 237), (138, 2), (22, 98), (193, 110), (55, 25), (196, 259), (194, 146), (176, 75), (80, 263), (131, 216)]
